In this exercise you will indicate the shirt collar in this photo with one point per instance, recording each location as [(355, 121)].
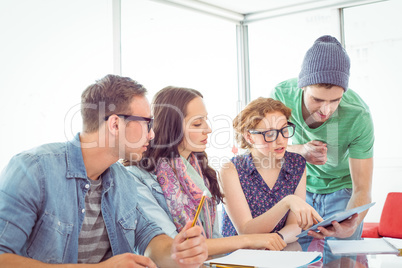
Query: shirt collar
[(76, 167), (75, 161)]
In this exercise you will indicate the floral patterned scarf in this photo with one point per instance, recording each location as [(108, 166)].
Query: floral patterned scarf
[(183, 195)]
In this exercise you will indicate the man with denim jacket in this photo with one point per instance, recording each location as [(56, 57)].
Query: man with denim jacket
[(46, 215)]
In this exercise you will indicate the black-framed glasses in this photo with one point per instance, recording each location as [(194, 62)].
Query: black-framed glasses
[(272, 134), (150, 121)]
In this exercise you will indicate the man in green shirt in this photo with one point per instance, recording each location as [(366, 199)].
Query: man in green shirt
[(334, 132)]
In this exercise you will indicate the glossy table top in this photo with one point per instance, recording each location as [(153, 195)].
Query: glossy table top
[(330, 260), (344, 261)]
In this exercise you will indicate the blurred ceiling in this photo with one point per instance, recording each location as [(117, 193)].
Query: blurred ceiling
[(246, 11)]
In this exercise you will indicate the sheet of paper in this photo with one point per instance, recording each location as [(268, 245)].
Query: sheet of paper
[(339, 217), (366, 246), (397, 243), (267, 258), (386, 261)]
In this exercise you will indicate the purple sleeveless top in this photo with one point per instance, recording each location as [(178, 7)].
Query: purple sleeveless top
[(259, 196)]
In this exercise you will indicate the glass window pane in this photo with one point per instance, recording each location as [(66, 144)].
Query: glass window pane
[(374, 43), (166, 45), (50, 51), (277, 46)]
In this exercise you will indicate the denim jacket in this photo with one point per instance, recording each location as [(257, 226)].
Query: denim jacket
[(150, 194), (42, 205)]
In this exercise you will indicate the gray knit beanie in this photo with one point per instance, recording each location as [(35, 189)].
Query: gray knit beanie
[(325, 62)]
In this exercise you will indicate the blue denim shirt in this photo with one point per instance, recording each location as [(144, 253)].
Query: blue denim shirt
[(151, 196), (42, 205)]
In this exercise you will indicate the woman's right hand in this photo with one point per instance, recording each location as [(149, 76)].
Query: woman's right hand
[(305, 214), (270, 241)]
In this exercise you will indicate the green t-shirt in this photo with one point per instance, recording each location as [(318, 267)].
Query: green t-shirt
[(349, 133)]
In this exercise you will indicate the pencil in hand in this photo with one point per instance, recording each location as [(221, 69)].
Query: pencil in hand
[(199, 208)]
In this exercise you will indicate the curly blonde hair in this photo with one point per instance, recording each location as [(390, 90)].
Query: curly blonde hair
[(252, 114)]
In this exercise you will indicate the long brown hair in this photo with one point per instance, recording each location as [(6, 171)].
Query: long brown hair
[(169, 108)]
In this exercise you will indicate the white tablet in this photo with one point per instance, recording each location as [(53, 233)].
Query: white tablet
[(339, 217)]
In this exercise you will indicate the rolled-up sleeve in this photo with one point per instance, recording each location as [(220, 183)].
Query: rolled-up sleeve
[(146, 230), (20, 197)]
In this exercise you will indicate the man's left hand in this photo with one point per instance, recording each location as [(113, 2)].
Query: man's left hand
[(339, 230)]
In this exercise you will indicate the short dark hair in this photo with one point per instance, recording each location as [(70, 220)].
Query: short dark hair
[(325, 85), (110, 95)]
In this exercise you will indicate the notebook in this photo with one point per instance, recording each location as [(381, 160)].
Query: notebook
[(265, 259)]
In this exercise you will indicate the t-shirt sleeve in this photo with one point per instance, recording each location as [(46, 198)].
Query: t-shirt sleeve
[(362, 145), (282, 90), (277, 93)]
